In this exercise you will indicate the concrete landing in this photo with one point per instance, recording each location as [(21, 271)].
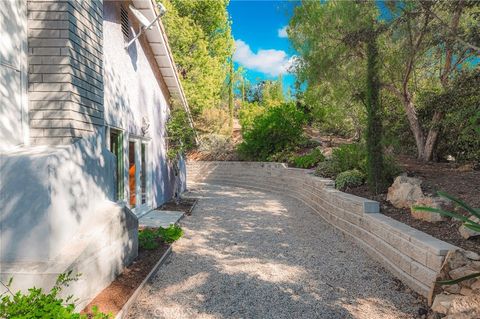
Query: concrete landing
[(160, 218)]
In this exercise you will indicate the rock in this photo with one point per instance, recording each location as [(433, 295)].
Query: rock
[(466, 291), (442, 303), (434, 202), (476, 286), (462, 272), (467, 232), (404, 191), (453, 289), (468, 306), (472, 255)]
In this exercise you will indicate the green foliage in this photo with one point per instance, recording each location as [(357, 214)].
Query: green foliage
[(349, 179), (181, 136), (373, 138), (171, 233), (326, 169), (467, 220), (460, 128), (308, 160), (38, 304), (349, 156), (148, 238), (199, 34), (277, 129), (417, 49)]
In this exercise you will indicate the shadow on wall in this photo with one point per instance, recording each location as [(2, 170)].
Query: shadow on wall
[(56, 215), (13, 57), (48, 193)]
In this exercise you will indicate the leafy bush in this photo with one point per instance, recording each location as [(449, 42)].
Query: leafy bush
[(469, 220), (350, 156), (282, 156), (148, 238), (181, 136), (349, 179), (326, 169), (460, 127), (37, 304), (171, 233), (279, 128), (308, 160)]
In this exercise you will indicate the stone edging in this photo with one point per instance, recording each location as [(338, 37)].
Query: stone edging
[(411, 255), (124, 311)]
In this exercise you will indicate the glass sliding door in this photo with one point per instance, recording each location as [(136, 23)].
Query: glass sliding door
[(132, 174)]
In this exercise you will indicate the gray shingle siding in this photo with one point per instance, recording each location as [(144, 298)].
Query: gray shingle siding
[(65, 56)]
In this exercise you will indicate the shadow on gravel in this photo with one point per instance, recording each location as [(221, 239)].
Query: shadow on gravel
[(249, 254)]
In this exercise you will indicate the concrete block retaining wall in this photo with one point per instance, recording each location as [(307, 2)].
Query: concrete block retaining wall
[(411, 255)]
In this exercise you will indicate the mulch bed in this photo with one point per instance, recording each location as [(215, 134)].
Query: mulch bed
[(112, 298), (447, 177), (185, 205)]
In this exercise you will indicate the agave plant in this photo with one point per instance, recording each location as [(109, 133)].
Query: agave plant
[(468, 222)]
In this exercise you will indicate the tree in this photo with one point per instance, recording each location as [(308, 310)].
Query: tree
[(423, 45), (200, 36)]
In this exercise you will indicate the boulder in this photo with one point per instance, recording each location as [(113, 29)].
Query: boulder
[(467, 232), (434, 202), (405, 191), (442, 303)]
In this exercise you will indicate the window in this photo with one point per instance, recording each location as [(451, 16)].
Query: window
[(116, 147)]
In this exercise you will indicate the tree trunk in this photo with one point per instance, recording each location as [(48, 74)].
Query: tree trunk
[(432, 137), (414, 125)]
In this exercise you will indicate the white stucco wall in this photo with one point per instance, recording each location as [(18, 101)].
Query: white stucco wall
[(135, 96)]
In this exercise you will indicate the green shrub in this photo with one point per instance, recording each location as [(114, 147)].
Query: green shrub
[(350, 156), (390, 168), (277, 129), (281, 157), (349, 179), (148, 238), (308, 160), (37, 304), (171, 233), (326, 169)]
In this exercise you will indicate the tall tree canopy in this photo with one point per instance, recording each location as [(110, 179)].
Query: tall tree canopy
[(422, 46), (199, 33)]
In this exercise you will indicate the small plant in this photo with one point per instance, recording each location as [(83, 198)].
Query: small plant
[(348, 179), (308, 160), (37, 304), (326, 169), (147, 239), (350, 156), (469, 222), (171, 233)]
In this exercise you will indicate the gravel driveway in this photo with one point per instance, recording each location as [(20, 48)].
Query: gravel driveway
[(249, 254)]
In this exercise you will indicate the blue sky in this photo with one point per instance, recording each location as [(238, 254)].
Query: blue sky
[(261, 47)]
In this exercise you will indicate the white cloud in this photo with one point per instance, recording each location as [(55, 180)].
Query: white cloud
[(282, 32), (271, 62)]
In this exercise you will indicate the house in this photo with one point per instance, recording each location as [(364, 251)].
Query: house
[(82, 137)]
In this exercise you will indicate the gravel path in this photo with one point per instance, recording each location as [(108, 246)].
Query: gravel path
[(248, 254)]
